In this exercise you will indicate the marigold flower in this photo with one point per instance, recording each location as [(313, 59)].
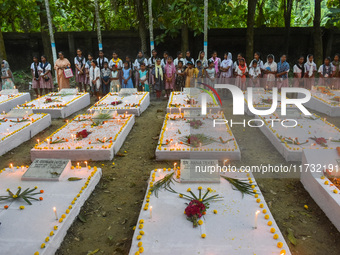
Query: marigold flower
[(139, 237), (200, 222), (279, 244), (141, 249), (199, 188), (215, 211), (269, 223), (22, 207), (203, 235)]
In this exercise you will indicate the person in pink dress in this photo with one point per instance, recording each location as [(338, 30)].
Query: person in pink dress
[(217, 63), (170, 79)]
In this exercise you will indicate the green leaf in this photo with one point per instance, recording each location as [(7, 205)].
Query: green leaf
[(72, 179)]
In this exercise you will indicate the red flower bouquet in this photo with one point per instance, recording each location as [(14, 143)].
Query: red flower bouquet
[(48, 100), (195, 211), (82, 134), (114, 103), (320, 140)]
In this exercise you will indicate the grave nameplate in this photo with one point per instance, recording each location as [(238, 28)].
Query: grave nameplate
[(199, 171), (46, 170)]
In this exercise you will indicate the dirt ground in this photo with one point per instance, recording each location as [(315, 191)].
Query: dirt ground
[(112, 210)]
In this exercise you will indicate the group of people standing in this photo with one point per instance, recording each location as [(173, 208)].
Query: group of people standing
[(166, 73)]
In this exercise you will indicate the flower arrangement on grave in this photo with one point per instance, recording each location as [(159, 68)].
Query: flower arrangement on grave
[(48, 100), (132, 105), (196, 124), (325, 90), (267, 101), (197, 140), (20, 120), (82, 134), (176, 105), (191, 101), (198, 204), (289, 140), (114, 103), (320, 141), (27, 195)]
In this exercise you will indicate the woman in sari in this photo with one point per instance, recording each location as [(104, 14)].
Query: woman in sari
[(60, 65)]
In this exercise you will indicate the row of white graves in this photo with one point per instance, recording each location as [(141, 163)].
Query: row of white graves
[(97, 135), (39, 203), (198, 207)]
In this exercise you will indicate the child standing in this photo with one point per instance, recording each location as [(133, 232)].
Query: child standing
[(114, 87), (157, 72), (87, 69), (170, 71), (217, 63), (101, 59), (151, 64), (326, 72), (241, 74), (180, 77), (126, 76), (46, 81), (36, 76), (190, 73), (188, 59), (310, 70), (105, 75), (179, 58), (115, 61), (95, 78), (139, 60), (270, 69), (200, 70), (203, 59), (165, 58), (282, 72), (226, 68), (254, 74), (79, 62), (299, 73), (6, 76), (143, 78), (211, 72), (336, 73)]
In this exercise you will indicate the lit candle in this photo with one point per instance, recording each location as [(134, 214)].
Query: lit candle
[(180, 112), (256, 215), (175, 164), (11, 165), (38, 141), (85, 163), (78, 165), (48, 143), (150, 212), (55, 212), (225, 161)]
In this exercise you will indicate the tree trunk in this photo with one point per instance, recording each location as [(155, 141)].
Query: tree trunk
[(287, 15), (141, 24), (185, 38), (44, 32), (2, 47), (99, 32), (250, 30), (329, 45), (318, 54)]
